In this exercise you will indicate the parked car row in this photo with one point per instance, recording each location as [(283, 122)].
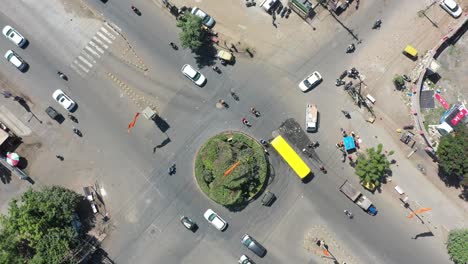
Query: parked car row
[(14, 36)]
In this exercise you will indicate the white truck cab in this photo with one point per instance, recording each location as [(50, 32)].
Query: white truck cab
[(311, 118), (268, 4)]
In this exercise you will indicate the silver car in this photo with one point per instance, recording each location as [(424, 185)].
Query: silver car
[(253, 245), (206, 19)]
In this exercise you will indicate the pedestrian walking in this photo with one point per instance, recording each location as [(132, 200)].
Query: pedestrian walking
[(61, 158)]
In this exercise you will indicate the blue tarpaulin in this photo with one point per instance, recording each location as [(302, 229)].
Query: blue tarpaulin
[(349, 143)]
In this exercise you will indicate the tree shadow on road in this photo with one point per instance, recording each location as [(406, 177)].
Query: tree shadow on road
[(206, 55)]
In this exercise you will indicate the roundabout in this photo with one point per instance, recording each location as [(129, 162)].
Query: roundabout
[(231, 168)]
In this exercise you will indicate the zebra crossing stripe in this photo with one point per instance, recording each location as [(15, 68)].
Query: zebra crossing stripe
[(76, 69), (95, 46), (81, 66), (89, 57), (85, 61), (113, 26), (88, 48), (104, 37), (100, 42), (108, 33)]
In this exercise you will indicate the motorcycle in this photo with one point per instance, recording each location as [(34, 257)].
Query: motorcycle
[(234, 95), (78, 132), (346, 114), (223, 103), (348, 213), (136, 10), (264, 142), (348, 85), (245, 122), (322, 168), (255, 112), (339, 82), (62, 75), (350, 48), (73, 118), (343, 75), (377, 24), (171, 170), (216, 69), (174, 46), (283, 12)]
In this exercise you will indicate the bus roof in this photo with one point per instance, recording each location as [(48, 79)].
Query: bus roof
[(291, 157)]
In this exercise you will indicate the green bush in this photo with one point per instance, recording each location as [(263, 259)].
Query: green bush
[(243, 182), (457, 245)]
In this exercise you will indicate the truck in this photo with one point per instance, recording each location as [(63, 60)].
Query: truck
[(311, 118), (358, 198)]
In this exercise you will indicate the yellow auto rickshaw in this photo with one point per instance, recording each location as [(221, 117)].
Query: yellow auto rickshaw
[(411, 52), (225, 57)]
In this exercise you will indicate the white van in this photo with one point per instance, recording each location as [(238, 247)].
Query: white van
[(311, 118)]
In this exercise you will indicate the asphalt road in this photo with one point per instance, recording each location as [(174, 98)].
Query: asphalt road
[(144, 202)]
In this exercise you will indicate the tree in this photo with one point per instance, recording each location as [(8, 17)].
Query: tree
[(457, 245), (192, 35), (452, 152), (399, 82), (38, 227), (372, 166)]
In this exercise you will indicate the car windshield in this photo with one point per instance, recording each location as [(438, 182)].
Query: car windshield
[(197, 76), (307, 83), (454, 9), (211, 217), (248, 241), (206, 19)]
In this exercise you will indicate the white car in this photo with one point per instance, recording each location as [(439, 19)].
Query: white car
[(215, 220), (245, 260), (310, 81), (206, 19), (63, 99), (13, 35), (451, 7), (193, 74), (16, 60)]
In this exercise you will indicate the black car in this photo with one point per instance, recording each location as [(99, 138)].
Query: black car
[(253, 245), (52, 113), (188, 223)]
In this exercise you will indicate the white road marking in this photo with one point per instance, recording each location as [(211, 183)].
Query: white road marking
[(81, 66), (89, 57), (88, 48), (96, 47), (100, 42), (85, 61), (108, 33), (104, 37)]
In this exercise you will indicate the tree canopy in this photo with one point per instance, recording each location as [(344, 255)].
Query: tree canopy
[(38, 227), (457, 245), (452, 152), (372, 166), (231, 168), (192, 35)]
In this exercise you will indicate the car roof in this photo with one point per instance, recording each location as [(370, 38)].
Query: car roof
[(450, 3), (6, 29), (57, 93), (190, 71)]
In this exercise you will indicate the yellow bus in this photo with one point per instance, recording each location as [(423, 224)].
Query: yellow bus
[(291, 157)]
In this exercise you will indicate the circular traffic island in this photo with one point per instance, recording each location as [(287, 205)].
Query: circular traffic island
[(231, 168)]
